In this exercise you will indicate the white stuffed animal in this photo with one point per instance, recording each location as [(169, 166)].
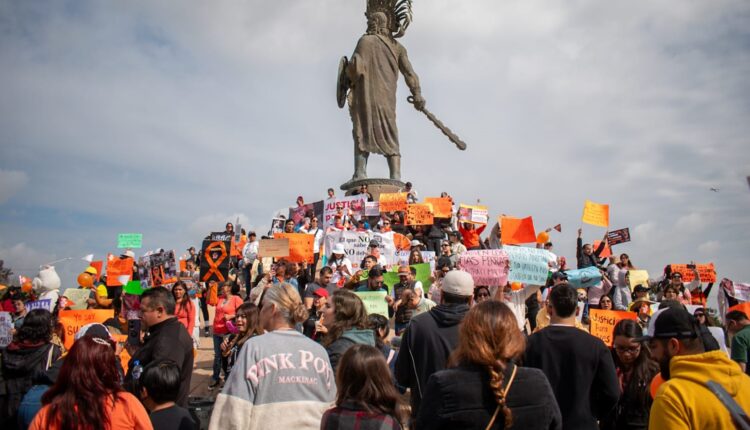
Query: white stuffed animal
[(47, 284)]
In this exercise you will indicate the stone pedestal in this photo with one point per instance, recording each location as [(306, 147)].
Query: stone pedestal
[(376, 186)]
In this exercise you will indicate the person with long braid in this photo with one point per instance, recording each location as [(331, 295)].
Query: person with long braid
[(483, 388)]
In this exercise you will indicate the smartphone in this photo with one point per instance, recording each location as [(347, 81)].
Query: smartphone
[(134, 332)]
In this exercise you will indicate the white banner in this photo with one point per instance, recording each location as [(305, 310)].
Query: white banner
[(355, 203), (355, 245), (742, 292)]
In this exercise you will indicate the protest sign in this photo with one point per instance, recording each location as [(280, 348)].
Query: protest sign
[(133, 287), (423, 275), (355, 204), (401, 242), (6, 329), (595, 214), (419, 214), (528, 265), (442, 207), (392, 202), (606, 252), (618, 236), (604, 322), (638, 277), (706, 272), (309, 210), (156, 270), (45, 304), (372, 208), (129, 240), (516, 231), (277, 225), (429, 257), (374, 302), (300, 246), (741, 292), (72, 321), (117, 267), (356, 243), (473, 214), (584, 278), (488, 267), (215, 257), (78, 296), (278, 248)]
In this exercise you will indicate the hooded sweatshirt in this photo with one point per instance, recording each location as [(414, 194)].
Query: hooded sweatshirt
[(425, 347), (351, 337), (684, 401)]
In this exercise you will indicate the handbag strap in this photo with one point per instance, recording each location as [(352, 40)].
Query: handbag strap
[(506, 388)]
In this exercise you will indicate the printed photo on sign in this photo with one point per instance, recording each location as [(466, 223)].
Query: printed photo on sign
[(618, 236), (353, 206), (473, 214)]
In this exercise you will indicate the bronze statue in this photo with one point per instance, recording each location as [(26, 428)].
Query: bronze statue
[(371, 79)]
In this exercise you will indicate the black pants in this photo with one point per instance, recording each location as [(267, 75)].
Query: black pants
[(204, 309)]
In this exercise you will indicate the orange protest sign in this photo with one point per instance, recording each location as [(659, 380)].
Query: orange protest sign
[(98, 266), (595, 214), (706, 272), (392, 202), (419, 214), (300, 246), (117, 267), (606, 252), (604, 322), (442, 207), (183, 265), (72, 321), (401, 242), (516, 231)]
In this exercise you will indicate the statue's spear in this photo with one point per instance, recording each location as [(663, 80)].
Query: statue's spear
[(439, 124)]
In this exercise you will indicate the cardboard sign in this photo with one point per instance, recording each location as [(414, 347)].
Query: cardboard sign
[(488, 267), (356, 243), (618, 236), (72, 321), (215, 254), (158, 269), (117, 267), (129, 240), (595, 214), (603, 323), (442, 207), (473, 214), (516, 231), (419, 214), (393, 202), (372, 208), (79, 297), (354, 203), (278, 248), (606, 252), (706, 272), (300, 246), (638, 277), (374, 302), (528, 265), (6, 329), (45, 304), (584, 278)]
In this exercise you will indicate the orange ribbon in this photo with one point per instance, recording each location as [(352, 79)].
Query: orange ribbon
[(213, 266)]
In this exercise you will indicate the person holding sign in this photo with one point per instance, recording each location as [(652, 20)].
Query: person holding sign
[(470, 235), (586, 255), (340, 264)]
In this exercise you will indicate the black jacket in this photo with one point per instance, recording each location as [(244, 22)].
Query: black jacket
[(425, 347), (168, 340), (462, 398), (580, 370), (584, 260)]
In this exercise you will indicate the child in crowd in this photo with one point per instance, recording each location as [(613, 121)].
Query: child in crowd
[(160, 384)]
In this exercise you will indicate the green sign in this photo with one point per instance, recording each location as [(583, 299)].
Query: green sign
[(374, 302), (423, 275), (133, 287), (129, 240)]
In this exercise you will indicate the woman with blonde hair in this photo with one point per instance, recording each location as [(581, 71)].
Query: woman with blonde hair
[(280, 378), (484, 389)]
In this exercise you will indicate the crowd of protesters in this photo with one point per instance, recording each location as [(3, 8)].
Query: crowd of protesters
[(295, 347)]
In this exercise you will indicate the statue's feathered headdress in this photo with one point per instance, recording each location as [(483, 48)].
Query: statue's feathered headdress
[(398, 13)]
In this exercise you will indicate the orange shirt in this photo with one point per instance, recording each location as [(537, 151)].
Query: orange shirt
[(127, 413)]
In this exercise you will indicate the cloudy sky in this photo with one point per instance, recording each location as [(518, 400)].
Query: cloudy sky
[(170, 118)]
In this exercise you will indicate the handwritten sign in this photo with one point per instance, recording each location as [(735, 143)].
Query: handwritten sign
[(638, 277), (72, 321), (352, 205), (392, 202), (300, 246), (595, 214), (356, 245), (79, 297), (618, 236), (419, 214), (603, 323), (516, 231), (117, 267), (442, 207), (528, 265), (488, 267), (706, 272), (473, 214), (129, 240), (584, 278), (6, 329), (273, 247), (374, 302), (45, 304)]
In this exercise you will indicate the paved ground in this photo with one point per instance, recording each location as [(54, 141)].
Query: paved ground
[(203, 364)]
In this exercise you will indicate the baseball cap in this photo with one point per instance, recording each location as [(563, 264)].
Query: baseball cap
[(670, 323), (415, 242), (91, 270), (403, 270), (128, 253), (459, 283), (321, 292)]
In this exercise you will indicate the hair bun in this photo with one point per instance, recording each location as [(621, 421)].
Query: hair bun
[(300, 313)]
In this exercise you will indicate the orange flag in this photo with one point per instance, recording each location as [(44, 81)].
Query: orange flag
[(606, 252), (595, 214), (516, 231)]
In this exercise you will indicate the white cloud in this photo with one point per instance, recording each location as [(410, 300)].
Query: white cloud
[(710, 248), (11, 182)]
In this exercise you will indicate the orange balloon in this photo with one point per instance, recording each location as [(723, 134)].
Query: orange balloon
[(27, 287), (85, 280), (542, 237), (655, 384), (515, 286)]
